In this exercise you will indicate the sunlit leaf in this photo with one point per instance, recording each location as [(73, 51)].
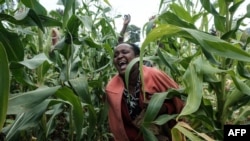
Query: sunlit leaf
[(181, 12), (222, 7), (87, 21), (218, 19), (187, 130), (173, 19), (193, 81)]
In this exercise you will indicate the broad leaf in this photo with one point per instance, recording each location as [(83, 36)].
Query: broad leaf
[(12, 44), (29, 17), (20, 74), (173, 19), (147, 134), (20, 103), (80, 86), (68, 10), (36, 6), (187, 130), (25, 20), (28, 119), (242, 69), (4, 85), (36, 61), (68, 95), (181, 12), (208, 42), (53, 113), (193, 79), (154, 106), (162, 119)]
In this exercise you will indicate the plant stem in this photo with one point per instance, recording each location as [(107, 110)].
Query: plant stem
[(222, 98), (71, 127), (44, 121), (40, 41), (40, 50)]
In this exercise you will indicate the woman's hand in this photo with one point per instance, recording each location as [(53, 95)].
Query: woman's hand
[(126, 19)]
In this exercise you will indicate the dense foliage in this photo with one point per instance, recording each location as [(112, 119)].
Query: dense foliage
[(55, 65)]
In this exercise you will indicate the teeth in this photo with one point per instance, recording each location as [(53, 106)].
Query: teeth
[(122, 62)]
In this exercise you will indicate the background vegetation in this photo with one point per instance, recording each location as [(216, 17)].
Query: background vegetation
[(55, 65)]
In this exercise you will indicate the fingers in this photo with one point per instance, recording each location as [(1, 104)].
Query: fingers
[(127, 19)]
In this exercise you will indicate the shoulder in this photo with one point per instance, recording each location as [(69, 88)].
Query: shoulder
[(155, 76), (114, 83), (152, 71)]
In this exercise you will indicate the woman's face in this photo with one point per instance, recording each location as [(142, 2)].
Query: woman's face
[(123, 54)]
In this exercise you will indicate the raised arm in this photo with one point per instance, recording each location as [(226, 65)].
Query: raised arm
[(126, 21)]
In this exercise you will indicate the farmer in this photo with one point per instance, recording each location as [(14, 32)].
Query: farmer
[(126, 105)]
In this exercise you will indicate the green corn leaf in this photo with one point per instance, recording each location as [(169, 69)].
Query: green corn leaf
[(193, 82), (21, 102), (208, 42), (80, 86), (29, 119), (36, 61), (29, 17), (56, 110), (154, 106), (162, 119), (174, 19), (12, 44), (68, 10), (147, 134), (68, 96), (181, 12), (4, 85), (36, 6), (242, 70)]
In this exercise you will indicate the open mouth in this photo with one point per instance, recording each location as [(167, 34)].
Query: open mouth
[(123, 65)]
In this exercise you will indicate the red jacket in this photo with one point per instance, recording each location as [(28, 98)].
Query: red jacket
[(154, 81)]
